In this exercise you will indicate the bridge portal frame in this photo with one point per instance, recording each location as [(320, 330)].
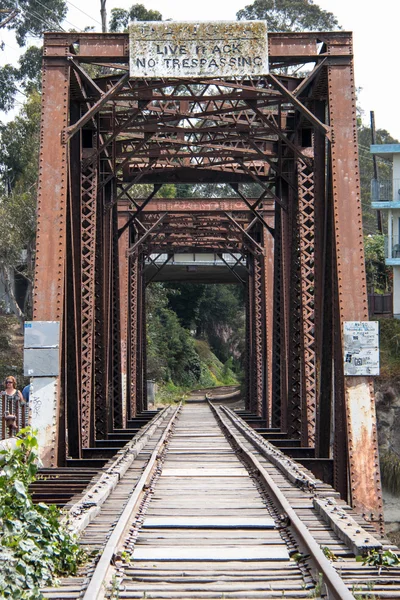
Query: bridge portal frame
[(315, 259)]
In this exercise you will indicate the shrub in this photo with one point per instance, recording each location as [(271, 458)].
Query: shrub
[(34, 546)]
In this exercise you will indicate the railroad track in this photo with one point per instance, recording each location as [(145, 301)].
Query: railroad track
[(211, 510)]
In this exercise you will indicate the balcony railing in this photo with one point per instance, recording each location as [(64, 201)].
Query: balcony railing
[(392, 247), (385, 190)]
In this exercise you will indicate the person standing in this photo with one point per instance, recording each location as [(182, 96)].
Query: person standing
[(25, 392), (13, 403)]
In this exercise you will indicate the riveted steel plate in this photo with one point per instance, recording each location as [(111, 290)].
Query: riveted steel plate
[(205, 49)]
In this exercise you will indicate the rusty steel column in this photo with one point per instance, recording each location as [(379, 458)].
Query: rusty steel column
[(251, 363), (248, 308), (305, 178), (294, 399), (48, 293), (143, 400), (362, 447), (118, 417), (323, 290), (101, 319), (72, 334), (259, 336), (133, 334), (141, 391), (268, 244), (278, 327), (124, 301), (89, 183)]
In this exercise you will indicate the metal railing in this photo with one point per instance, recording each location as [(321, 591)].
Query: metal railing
[(392, 246), (10, 407), (385, 190), (380, 305)]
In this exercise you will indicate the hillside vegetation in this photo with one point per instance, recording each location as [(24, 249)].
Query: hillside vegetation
[(194, 336)]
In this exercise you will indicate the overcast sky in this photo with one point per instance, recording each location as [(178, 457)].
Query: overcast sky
[(376, 41)]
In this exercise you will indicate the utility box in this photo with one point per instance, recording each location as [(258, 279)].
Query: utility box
[(41, 348)]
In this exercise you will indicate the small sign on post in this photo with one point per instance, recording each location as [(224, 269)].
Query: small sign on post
[(41, 348), (361, 348), (204, 49)]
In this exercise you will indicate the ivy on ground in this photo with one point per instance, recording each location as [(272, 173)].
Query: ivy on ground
[(34, 546)]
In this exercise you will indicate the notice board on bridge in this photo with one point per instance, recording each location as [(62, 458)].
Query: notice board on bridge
[(361, 347), (204, 49)]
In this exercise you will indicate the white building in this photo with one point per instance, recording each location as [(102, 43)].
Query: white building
[(385, 196)]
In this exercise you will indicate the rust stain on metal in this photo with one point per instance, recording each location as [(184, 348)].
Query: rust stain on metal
[(234, 129)]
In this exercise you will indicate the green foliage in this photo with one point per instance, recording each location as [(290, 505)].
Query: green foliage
[(10, 352), (175, 359), (390, 470), (28, 76), (378, 274), (19, 159), (169, 393), (216, 313), (120, 17), (290, 15), (214, 372), (34, 17), (7, 87), (170, 351), (389, 342), (329, 554), (364, 592), (34, 546), (380, 559)]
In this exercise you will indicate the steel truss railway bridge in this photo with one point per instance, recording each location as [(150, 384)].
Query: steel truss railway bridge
[(297, 244)]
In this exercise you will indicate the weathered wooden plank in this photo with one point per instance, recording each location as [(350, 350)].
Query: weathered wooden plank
[(209, 522), (212, 553)]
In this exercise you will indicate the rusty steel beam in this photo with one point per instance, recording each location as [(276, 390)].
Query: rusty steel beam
[(259, 336), (306, 226), (88, 267), (245, 233), (49, 288), (365, 486), (268, 277), (300, 107), (69, 132)]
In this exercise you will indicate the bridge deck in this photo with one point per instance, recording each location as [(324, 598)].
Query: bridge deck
[(204, 525)]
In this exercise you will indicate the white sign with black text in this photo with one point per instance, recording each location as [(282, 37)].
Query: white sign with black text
[(192, 50), (361, 347)]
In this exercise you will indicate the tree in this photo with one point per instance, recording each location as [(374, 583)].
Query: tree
[(378, 274), (19, 154), (34, 17), (120, 18), (215, 312), (290, 15)]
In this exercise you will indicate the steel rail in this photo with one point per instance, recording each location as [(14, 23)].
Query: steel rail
[(88, 507), (274, 455), (333, 582), (96, 589)]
